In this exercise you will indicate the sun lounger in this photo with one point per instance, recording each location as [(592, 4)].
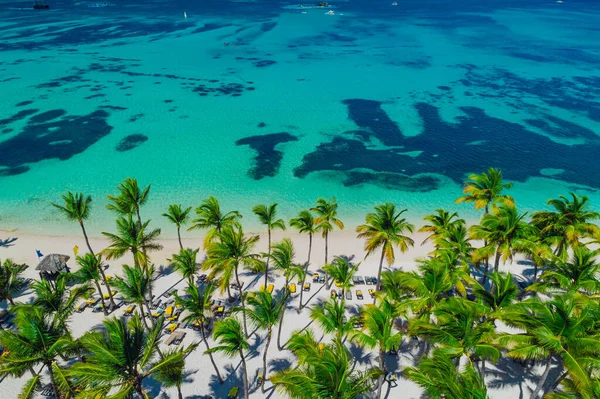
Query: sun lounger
[(322, 279), (81, 307), (340, 294), (316, 278), (107, 295), (338, 284), (233, 393), (333, 294), (158, 313), (349, 295), (220, 310), (171, 327), (98, 308), (175, 338), (359, 295), (270, 288), (307, 287), (372, 292), (129, 310), (93, 300), (47, 391), (169, 311), (292, 288)]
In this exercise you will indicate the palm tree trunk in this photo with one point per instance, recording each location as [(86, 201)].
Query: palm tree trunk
[(379, 272), (326, 245), (179, 391), (209, 353), (149, 313), (237, 279), (497, 261), (52, 381), (265, 360), (144, 317), (305, 271), (87, 241), (543, 378), (244, 374), (179, 236), (110, 295), (268, 258), (101, 298), (382, 367), (284, 304), (483, 369), (559, 380)]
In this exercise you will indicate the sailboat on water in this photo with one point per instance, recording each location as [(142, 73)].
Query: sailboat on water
[(185, 15)]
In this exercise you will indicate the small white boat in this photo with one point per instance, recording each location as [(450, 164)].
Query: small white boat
[(559, 1), (330, 12), (394, 3), (185, 15)]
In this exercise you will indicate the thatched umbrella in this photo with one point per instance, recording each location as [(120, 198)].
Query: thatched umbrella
[(53, 264)]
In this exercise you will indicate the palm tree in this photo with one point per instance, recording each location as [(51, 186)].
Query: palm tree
[(56, 298), (283, 260), (331, 317), (385, 229), (172, 374), (326, 219), (268, 216), (38, 338), (232, 340), (485, 189), (178, 217), (323, 371), (441, 379), (120, 357), (11, 281), (460, 329), (563, 329), (185, 263), (197, 303), (568, 224), (442, 223), (578, 274), (341, 272), (505, 233), (89, 266), (130, 198), (225, 256), (379, 332), (305, 223), (209, 216), (132, 237), (78, 206), (503, 293), (264, 311), (135, 286)]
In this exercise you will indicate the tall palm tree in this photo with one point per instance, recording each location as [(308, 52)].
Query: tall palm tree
[(197, 303), (130, 198), (578, 274), (327, 219), (56, 299), (185, 263), (323, 371), (172, 374), (264, 311), (11, 281), (89, 265), (569, 223), (77, 206), (135, 287), (38, 338), (564, 328), (305, 223), (442, 223), (227, 254), (331, 317), (385, 229), (179, 217), (440, 379), (283, 260), (232, 340), (505, 233), (341, 272), (209, 216), (379, 332), (485, 190), (132, 237), (268, 216), (503, 293), (119, 358), (460, 329)]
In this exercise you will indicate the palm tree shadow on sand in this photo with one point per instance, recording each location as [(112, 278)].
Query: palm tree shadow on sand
[(9, 242), (507, 372)]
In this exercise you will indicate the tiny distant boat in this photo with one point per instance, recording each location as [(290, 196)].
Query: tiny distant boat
[(40, 5), (185, 15), (560, 1), (330, 12), (394, 3)]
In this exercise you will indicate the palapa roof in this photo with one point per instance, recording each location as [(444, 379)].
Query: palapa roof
[(53, 263)]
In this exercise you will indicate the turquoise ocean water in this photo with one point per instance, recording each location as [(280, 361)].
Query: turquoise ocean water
[(258, 101)]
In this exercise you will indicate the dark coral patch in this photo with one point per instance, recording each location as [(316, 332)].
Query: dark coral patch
[(59, 139), (24, 103), (47, 116), (130, 142), (368, 115), (261, 124), (264, 63), (267, 159), (18, 116)]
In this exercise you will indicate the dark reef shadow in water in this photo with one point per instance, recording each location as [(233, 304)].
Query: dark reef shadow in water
[(474, 141), (268, 159), (57, 139), (130, 142)]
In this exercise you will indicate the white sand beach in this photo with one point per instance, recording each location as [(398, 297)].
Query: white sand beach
[(506, 380)]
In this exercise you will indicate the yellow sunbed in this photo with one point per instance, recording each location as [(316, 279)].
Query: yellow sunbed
[(169, 311), (307, 287), (157, 313), (172, 327), (270, 288), (262, 287), (107, 295), (293, 288), (338, 284), (130, 309), (173, 318)]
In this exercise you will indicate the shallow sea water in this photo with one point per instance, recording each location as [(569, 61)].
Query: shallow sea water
[(255, 102)]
